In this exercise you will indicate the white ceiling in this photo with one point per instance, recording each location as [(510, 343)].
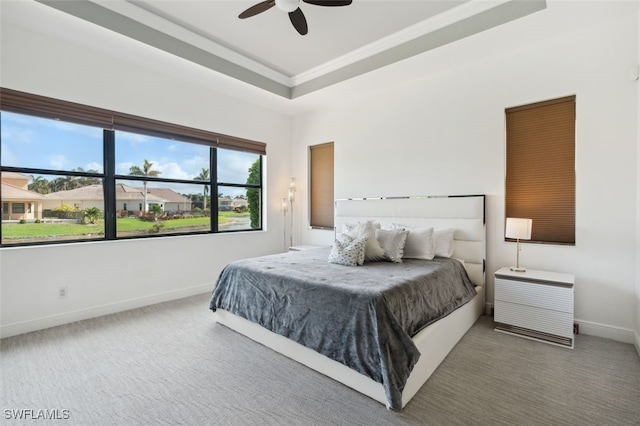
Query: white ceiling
[(266, 51)]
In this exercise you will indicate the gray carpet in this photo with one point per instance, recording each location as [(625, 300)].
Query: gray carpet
[(170, 364)]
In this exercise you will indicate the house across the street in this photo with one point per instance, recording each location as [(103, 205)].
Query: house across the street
[(18, 203)]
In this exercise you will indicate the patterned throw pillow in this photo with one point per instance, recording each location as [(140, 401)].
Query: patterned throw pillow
[(373, 251), (348, 251)]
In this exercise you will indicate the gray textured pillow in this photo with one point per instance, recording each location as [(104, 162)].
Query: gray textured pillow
[(348, 251), (392, 242), (420, 243)]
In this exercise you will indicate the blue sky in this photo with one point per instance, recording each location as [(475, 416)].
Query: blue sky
[(49, 144)]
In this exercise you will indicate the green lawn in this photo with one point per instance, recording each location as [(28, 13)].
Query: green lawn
[(20, 230), (17, 231)]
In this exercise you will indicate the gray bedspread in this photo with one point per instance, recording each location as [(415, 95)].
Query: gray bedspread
[(363, 317)]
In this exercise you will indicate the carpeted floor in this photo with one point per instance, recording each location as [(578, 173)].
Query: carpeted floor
[(170, 364)]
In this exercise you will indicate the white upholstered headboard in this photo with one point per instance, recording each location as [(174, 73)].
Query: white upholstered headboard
[(464, 213)]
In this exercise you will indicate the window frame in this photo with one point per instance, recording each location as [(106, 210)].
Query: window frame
[(111, 122)]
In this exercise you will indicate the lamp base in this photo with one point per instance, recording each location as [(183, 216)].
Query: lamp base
[(518, 269)]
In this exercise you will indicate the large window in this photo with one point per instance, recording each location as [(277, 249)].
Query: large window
[(540, 173), (71, 173)]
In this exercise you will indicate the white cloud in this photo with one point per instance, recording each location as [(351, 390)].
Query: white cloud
[(93, 166), (123, 168), (58, 161), (171, 170), (134, 138)]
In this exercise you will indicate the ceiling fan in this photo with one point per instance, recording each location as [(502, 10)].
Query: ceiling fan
[(293, 8)]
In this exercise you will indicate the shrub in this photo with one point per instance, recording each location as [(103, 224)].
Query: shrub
[(23, 221), (92, 214), (156, 228)]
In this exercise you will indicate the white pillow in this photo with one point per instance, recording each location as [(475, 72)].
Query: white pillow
[(392, 242), (419, 243), (443, 240), (348, 252), (373, 251)]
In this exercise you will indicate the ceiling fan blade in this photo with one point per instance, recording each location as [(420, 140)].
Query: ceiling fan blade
[(257, 8), (299, 22), (329, 2)]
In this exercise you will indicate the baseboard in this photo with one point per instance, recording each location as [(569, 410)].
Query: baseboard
[(637, 343), (608, 332), (8, 330)]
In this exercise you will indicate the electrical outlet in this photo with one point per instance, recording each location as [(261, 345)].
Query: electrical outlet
[(62, 292)]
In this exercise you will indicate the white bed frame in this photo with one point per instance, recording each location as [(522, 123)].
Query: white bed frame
[(466, 215)]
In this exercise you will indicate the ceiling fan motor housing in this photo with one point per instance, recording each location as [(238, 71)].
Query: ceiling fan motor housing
[(287, 5)]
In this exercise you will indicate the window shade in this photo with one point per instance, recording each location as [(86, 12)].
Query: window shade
[(321, 186), (41, 106), (540, 172)]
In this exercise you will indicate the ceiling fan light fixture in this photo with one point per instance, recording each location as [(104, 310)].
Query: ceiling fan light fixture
[(287, 5)]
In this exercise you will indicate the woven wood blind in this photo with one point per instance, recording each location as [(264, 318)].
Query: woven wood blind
[(321, 186), (44, 107), (41, 106), (540, 173)]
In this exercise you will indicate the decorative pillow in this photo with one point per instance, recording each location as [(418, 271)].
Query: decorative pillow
[(443, 240), (392, 242), (373, 251), (348, 252), (419, 244)]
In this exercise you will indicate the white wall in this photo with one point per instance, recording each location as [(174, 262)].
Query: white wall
[(436, 126), (104, 277), (637, 337)]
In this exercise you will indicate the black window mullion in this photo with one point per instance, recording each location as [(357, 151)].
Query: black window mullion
[(213, 178), (261, 195), (109, 185)]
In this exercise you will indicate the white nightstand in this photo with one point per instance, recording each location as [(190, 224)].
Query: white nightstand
[(535, 304)]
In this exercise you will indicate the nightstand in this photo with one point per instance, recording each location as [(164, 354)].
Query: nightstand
[(535, 304)]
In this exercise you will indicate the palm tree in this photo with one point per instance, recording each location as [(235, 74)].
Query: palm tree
[(64, 183), (86, 181), (204, 176), (146, 172), (39, 184)]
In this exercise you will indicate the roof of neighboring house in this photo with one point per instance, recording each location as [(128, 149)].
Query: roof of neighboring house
[(10, 192), (167, 194), (14, 175), (95, 192)]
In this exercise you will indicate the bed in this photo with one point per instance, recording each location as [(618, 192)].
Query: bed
[(365, 336)]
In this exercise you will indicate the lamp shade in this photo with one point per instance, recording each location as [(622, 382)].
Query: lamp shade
[(518, 228)]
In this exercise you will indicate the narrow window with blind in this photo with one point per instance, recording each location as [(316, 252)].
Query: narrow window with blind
[(71, 172), (321, 186), (540, 169)]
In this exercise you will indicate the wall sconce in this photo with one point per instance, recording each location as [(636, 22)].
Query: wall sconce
[(520, 229)]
